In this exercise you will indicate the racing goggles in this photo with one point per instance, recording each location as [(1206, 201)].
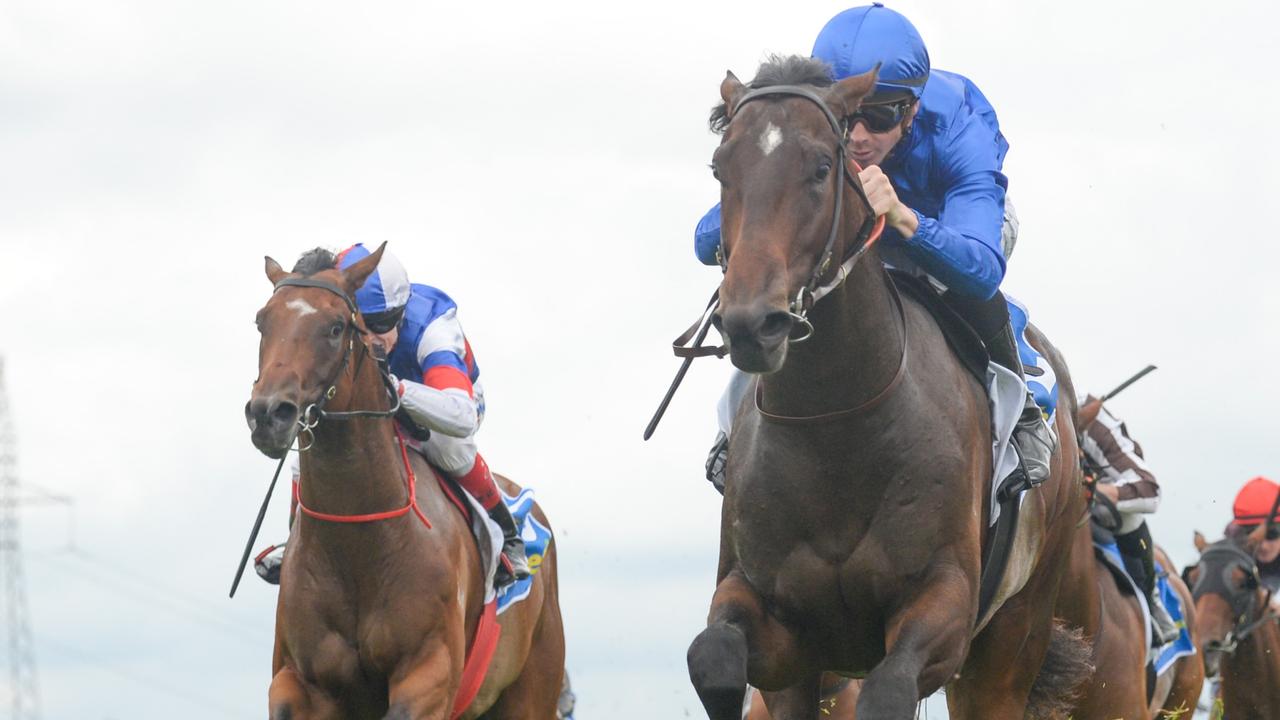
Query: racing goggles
[(881, 117), (383, 322)]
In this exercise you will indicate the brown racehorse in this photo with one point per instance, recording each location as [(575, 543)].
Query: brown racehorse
[(1112, 620), (859, 472), (374, 619), (1238, 632)]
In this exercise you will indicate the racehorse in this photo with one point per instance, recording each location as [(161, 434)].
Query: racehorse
[(379, 606), (858, 487), (1112, 621), (1239, 636)]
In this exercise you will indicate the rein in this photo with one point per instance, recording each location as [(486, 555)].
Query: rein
[(814, 290), (315, 412)]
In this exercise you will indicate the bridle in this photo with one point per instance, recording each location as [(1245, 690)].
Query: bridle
[(314, 412), (872, 226), (688, 345), (1244, 605)]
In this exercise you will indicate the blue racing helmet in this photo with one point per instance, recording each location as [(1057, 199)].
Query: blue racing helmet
[(386, 291), (858, 38)]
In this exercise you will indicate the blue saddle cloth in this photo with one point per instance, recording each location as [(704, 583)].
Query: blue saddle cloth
[(1044, 384), (536, 538), (1164, 656)]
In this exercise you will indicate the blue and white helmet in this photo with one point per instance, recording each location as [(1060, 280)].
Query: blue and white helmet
[(858, 38), (386, 290)]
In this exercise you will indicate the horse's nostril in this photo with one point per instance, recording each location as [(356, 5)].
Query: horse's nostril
[(776, 324), (285, 413)]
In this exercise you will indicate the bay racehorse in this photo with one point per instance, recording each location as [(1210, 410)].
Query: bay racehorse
[(1239, 635), (376, 617), (1112, 621), (856, 506)]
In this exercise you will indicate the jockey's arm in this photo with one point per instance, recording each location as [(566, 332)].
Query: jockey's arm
[(961, 247), (444, 401), (449, 411), (1126, 480)]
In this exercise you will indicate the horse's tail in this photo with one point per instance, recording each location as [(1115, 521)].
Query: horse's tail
[(1067, 665)]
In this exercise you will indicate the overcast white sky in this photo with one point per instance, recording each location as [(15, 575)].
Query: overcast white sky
[(545, 163)]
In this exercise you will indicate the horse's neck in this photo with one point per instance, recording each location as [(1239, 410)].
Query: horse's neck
[(355, 467), (854, 352)]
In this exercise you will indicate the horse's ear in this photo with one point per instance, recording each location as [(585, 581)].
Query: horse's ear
[(730, 90), (353, 277), (274, 271), (1200, 542), (845, 96)]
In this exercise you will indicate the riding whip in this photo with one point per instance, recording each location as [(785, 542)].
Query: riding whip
[(257, 524)]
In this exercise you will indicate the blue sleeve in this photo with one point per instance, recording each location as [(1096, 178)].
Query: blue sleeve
[(706, 238), (961, 247)]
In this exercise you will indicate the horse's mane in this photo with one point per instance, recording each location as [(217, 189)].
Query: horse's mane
[(779, 70), (314, 261)]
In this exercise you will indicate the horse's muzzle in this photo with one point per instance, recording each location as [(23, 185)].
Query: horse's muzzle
[(271, 422), (756, 336)]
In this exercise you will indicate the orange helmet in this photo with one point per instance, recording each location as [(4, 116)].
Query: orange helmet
[(1254, 501)]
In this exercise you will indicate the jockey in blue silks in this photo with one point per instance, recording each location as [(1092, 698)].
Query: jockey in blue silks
[(932, 153)]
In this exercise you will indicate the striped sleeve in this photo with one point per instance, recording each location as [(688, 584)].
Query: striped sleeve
[(442, 353)]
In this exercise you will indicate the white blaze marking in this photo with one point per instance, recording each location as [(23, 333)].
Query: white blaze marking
[(770, 139), (302, 307)]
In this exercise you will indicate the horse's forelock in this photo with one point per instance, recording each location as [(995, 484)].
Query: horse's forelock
[(778, 70)]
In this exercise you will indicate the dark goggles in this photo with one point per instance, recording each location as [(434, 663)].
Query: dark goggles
[(881, 117), (383, 322)]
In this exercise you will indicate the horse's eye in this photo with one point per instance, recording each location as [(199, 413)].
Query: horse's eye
[(824, 169), (336, 330)]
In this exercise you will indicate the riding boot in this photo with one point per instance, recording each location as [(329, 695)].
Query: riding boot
[(513, 565), (1138, 552), (716, 460), (1033, 439)]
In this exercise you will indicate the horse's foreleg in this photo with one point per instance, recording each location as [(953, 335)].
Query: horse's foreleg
[(425, 691), (289, 699), (925, 644), (798, 702), (741, 639)]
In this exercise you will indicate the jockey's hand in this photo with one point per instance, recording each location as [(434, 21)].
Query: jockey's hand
[(1110, 490), (884, 201)]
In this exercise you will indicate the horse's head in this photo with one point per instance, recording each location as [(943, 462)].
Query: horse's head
[(779, 166), (1228, 593), (309, 328)]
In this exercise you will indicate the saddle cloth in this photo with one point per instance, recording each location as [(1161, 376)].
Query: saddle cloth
[(1163, 657)]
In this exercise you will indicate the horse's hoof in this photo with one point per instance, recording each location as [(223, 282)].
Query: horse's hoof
[(718, 669)]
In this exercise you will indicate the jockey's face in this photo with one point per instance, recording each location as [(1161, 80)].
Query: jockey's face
[(1267, 551), (386, 340), (869, 148)]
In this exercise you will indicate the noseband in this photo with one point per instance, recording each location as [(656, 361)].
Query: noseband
[(870, 231), (1243, 605)]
